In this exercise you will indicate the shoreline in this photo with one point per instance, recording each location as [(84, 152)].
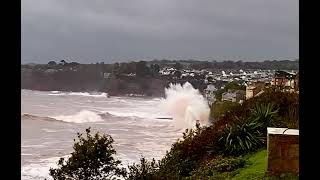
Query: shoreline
[(97, 92)]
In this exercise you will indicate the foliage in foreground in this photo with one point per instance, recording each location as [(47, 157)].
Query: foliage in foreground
[(287, 105), (266, 115), (186, 154), (243, 136), (218, 167), (92, 159), (143, 171)]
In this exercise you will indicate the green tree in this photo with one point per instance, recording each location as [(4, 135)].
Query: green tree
[(92, 159)]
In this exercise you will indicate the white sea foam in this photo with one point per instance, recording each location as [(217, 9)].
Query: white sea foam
[(39, 170), (58, 93), (88, 94), (26, 154), (81, 117), (144, 115), (49, 130), (186, 105), (33, 146), (54, 91)]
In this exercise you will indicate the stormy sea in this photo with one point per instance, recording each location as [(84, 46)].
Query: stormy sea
[(140, 126)]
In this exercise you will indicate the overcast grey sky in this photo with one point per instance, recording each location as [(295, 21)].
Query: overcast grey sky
[(123, 30)]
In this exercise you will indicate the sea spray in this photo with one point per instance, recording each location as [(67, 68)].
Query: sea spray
[(83, 116), (185, 105)]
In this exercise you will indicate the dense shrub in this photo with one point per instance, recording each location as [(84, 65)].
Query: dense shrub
[(92, 159), (143, 171), (225, 164), (241, 137), (217, 168), (246, 135), (291, 118), (287, 105), (284, 102), (219, 109), (186, 154), (182, 158)]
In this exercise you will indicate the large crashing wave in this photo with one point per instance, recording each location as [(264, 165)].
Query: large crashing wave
[(186, 105)]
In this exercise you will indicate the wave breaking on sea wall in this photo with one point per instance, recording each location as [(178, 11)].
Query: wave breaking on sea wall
[(186, 105)]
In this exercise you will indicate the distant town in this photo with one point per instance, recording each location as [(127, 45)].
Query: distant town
[(217, 81)]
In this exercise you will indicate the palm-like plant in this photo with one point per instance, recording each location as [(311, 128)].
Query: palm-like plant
[(265, 115), (247, 135), (242, 137)]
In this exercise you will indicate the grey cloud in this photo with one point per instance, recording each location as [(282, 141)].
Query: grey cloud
[(96, 30)]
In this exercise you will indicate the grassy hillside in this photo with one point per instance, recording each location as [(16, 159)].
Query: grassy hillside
[(255, 168)]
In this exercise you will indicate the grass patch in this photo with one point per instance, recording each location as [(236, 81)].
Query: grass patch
[(255, 168)]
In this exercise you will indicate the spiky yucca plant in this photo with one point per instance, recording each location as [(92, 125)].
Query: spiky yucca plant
[(241, 137), (266, 115), (247, 135)]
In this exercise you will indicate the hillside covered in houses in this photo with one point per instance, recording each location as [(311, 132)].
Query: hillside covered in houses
[(146, 78)]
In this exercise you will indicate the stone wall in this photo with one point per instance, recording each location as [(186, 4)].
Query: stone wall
[(283, 152)]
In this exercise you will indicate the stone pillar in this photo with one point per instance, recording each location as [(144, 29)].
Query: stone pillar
[(283, 151)]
